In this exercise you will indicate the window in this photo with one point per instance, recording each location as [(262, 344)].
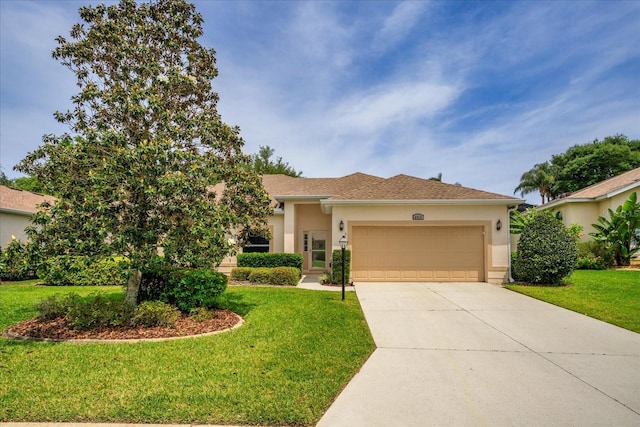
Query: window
[(257, 243)]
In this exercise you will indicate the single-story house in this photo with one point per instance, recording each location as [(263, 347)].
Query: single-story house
[(16, 208), (585, 206), (398, 229)]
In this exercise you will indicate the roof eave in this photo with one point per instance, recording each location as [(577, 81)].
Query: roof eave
[(613, 193), (16, 211), (424, 202), (302, 197)]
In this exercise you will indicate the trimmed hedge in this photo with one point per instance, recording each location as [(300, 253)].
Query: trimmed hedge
[(268, 276), (336, 271), (241, 273), (285, 276), (260, 275), (262, 259)]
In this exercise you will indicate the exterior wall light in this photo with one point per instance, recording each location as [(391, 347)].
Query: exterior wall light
[(341, 225), (499, 225)]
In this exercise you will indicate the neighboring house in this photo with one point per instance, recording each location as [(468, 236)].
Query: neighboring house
[(16, 208), (398, 229), (585, 206)]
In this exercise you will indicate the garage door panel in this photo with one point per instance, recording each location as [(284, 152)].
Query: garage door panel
[(428, 253)]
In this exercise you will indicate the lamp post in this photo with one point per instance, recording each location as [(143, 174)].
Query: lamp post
[(343, 245)]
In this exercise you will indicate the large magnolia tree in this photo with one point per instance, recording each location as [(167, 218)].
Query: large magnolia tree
[(146, 144)]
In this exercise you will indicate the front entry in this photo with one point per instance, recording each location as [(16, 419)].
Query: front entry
[(315, 250)]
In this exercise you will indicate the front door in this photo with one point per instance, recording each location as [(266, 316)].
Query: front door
[(318, 250)]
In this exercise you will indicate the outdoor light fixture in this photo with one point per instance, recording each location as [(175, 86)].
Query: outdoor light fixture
[(341, 226), (343, 245), (499, 225)]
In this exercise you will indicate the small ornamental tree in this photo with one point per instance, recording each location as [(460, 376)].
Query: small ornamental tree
[(146, 145), (547, 251)]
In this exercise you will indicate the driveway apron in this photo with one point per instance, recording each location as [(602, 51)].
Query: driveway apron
[(478, 354)]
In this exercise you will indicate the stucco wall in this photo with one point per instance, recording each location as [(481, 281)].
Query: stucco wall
[(12, 224), (587, 213)]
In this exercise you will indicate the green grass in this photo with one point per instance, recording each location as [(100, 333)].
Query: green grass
[(296, 350), (609, 295)]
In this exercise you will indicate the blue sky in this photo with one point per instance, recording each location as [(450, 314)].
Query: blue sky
[(478, 91)]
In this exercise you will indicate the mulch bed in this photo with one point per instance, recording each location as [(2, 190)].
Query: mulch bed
[(59, 331)]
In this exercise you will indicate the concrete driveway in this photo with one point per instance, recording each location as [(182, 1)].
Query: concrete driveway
[(478, 354)]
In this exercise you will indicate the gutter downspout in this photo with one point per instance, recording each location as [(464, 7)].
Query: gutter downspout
[(509, 210)]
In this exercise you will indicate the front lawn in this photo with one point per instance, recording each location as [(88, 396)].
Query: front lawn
[(609, 295), (286, 364)]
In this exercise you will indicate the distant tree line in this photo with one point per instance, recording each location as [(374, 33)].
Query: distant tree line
[(581, 166)]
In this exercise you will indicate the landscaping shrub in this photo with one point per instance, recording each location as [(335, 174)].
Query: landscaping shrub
[(547, 252), (202, 314), (191, 288), (55, 307), (260, 275), (594, 255), (97, 311), (336, 271), (154, 284), (69, 270), (155, 313), (514, 273), (17, 261), (261, 259), (285, 276), (241, 274)]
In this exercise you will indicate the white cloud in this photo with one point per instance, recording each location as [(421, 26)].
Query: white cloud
[(396, 26)]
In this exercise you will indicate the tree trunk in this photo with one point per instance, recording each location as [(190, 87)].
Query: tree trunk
[(133, 287)]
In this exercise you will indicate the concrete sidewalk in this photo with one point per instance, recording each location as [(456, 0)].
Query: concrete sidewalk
[(478, 354)]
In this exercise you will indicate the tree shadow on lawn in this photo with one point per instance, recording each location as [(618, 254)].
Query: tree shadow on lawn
[(236, 303)]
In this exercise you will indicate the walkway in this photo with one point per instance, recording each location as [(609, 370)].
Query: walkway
[(478, 354)]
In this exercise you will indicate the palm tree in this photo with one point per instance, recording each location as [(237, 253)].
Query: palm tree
[(540, 178)]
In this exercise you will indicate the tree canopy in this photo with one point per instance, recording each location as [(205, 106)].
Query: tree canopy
[(581, 166), (262, 164), (146, 144)]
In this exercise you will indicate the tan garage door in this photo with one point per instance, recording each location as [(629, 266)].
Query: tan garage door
[(434, 254)]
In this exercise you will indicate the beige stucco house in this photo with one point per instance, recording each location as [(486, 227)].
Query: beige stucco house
[(398, 229), (585, 206), (16, 207)]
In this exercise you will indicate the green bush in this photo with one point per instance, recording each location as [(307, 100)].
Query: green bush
[(336, 271), (193, 288), (55, 307), (241, 274), (17, 261), (285, 276), (593, 255), (202, 314), (155, 283), (260, 275), (261, 259), (514, 273), (69, 270), (98, 311), (155, 313), (547, 252)]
